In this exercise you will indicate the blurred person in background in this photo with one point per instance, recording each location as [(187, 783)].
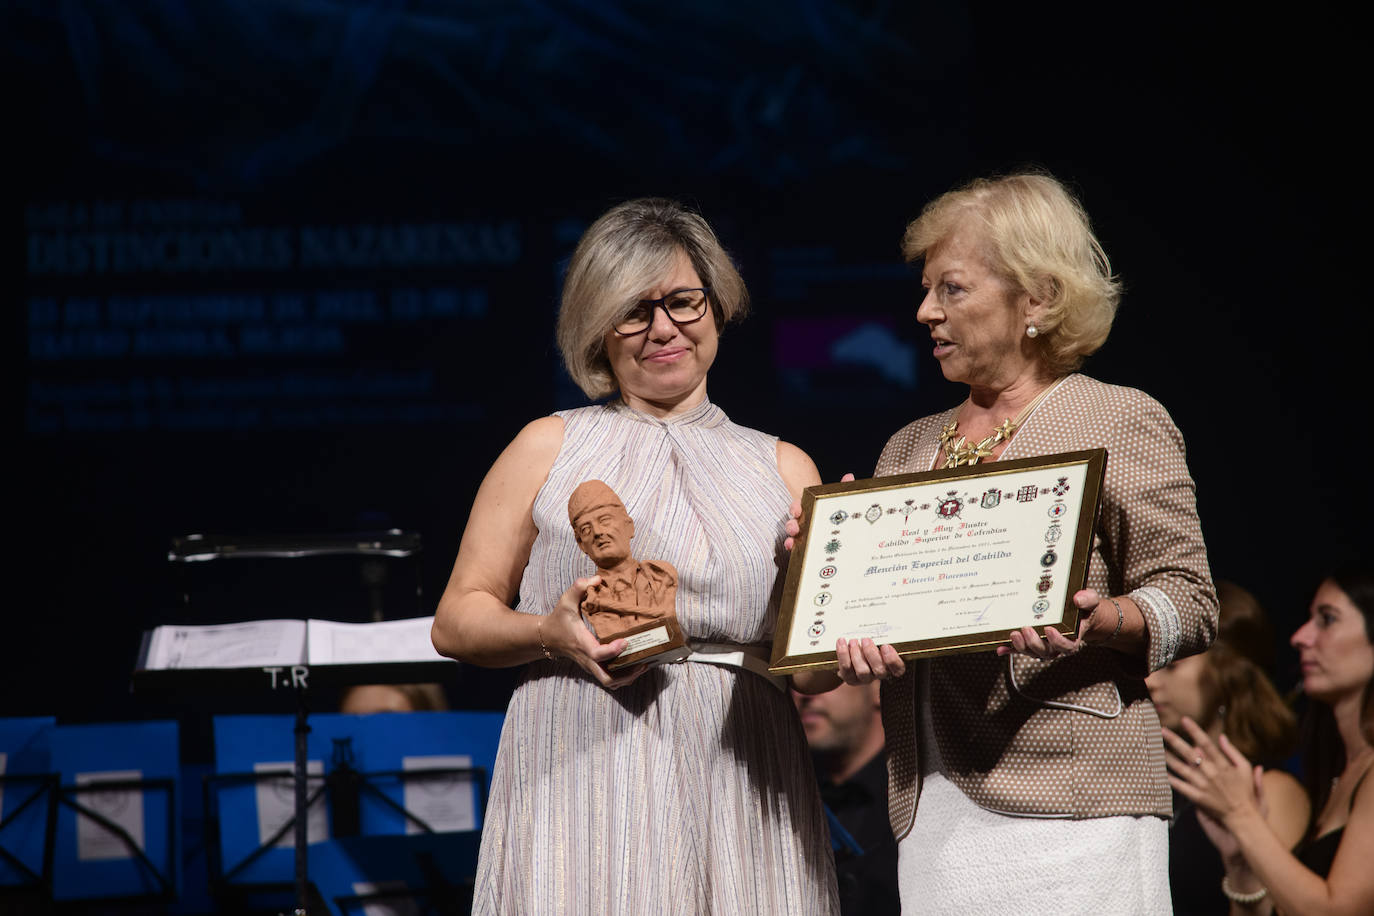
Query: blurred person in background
[(1330, 871), (1226, 689), (844, 729), (366, 698)]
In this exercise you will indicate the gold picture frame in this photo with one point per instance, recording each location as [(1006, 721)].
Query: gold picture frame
[(939, 562)]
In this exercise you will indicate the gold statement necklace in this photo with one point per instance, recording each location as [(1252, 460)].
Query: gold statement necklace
[(959, 451)]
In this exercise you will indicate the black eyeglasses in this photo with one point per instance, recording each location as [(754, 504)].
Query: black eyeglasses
[(682, 306)]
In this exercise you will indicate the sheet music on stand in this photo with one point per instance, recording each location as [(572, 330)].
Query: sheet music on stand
[(283, 653), (287, 654)]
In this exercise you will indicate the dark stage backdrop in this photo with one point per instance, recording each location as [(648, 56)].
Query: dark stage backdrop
[(292, 268)]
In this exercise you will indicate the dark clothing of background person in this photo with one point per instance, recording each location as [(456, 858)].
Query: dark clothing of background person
[(1318, 853), (867, 882), (1194, 865)]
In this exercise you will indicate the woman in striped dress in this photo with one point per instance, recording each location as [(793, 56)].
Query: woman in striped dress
[(682, 788)]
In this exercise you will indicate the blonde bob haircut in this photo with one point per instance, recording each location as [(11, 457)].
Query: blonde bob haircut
[(626, 251), (1037, 236)]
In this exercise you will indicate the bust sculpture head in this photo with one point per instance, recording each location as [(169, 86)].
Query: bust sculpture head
[(602, 526), (632, 594)]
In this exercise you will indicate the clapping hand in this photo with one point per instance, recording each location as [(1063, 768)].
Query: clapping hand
[(1213, 775)]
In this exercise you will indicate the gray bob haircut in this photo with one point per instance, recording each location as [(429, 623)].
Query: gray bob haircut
[(625, 252), (1035, 234)]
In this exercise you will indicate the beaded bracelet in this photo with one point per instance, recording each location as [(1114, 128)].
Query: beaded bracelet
[(539, 628), (1252, 897)]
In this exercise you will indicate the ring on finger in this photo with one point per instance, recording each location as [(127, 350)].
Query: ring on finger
[(1197, 761)]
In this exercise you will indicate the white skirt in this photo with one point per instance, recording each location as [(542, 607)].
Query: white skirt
[(960, 858)]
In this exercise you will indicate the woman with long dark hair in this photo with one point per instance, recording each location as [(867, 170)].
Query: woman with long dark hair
[(1330, 870)]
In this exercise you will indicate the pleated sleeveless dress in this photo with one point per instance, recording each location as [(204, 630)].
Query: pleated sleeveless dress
[(691, 790)]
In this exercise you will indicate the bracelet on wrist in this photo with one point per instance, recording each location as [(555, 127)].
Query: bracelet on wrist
[(1120, 620), (1238, 897), (539, 629)]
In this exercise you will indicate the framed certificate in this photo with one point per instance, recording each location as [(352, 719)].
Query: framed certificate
[(939, 562)]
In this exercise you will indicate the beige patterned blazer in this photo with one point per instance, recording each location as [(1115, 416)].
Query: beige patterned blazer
[(1076, 737)]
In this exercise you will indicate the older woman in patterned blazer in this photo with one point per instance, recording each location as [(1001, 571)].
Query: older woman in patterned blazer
[(1033, 779)]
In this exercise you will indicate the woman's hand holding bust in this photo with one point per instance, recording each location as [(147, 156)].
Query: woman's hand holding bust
[(565, 635)]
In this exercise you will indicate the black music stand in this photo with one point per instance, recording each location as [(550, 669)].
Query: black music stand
[(365, 786), (166, 879), (200, 548), (46, 788), (374, 548)]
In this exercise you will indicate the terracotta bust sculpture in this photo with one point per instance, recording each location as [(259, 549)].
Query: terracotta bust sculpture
[(635, 599)]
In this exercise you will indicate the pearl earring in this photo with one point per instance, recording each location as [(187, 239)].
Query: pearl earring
[(1032, 331)]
